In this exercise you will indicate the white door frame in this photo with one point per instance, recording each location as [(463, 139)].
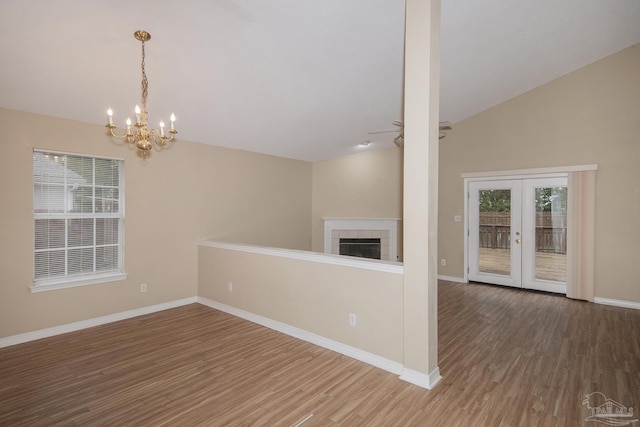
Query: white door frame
[(514, 278), (529, 280), (493, 176)]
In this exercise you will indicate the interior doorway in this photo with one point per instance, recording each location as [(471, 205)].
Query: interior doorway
[(517, 232)]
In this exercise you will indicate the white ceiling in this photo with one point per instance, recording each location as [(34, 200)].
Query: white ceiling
[(304, 79)]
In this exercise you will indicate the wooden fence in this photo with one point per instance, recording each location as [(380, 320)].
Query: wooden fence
[(551, 231)]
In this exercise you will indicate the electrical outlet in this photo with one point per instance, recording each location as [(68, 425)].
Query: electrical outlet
[(443, 262), (352, 319), (230, 287), (143, 287), (457, 218)]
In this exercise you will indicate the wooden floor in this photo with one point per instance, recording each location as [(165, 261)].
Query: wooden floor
[(508, 358)]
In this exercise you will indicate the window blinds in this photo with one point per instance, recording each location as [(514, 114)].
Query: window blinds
[(77, 206)]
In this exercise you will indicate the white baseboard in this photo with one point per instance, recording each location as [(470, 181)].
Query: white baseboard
[(354, 353), (617, 303), (420, 379), (96, 321), (451, 279)]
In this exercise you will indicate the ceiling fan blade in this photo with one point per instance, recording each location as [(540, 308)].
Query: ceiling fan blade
[(441, 125), (383, 131), (399, 140)]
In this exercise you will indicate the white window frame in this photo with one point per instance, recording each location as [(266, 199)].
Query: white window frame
[(68, 281)]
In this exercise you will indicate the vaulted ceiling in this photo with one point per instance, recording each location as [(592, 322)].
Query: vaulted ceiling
[(303, 79)]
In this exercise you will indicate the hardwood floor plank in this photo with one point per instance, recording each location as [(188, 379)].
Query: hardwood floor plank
[(508, 357)]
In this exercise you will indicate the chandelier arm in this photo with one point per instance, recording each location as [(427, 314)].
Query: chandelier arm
[(155, 136), (126, 135), (114, 134)]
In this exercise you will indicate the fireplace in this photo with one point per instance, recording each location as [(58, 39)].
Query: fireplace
[(363, 248), (374, 238)]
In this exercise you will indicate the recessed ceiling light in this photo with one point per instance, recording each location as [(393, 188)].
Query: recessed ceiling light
[(364, 144)]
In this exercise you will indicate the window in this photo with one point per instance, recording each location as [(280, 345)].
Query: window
[(78, 219)]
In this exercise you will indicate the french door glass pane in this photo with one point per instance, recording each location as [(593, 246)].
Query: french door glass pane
[(551, 234), (494, 231)]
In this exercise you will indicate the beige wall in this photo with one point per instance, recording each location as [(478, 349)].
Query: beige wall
[(591, 116), (312, 296), (367, 184), (172, 199)]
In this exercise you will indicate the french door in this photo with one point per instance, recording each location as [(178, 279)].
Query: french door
[(518, 233)]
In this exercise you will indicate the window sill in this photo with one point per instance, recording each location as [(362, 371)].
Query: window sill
[(70, 283)]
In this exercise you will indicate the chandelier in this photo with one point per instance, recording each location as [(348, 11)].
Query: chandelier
[(138, 133)]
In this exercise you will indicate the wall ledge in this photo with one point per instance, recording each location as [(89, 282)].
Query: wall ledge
[(361, 263)]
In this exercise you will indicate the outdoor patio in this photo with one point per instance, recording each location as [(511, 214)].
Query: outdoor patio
[(549, 266)]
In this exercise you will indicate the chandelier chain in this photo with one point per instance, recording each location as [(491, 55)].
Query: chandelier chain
[(145, 82)]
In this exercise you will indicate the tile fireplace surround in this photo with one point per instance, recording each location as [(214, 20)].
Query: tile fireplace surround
[(385, 229)]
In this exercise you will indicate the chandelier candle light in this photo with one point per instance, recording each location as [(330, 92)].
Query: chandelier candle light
[(139, 134)]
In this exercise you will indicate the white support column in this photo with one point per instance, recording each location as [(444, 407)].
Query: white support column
[(421, 115)]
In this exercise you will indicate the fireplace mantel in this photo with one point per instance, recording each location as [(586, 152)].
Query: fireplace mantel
[(384, 228)]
